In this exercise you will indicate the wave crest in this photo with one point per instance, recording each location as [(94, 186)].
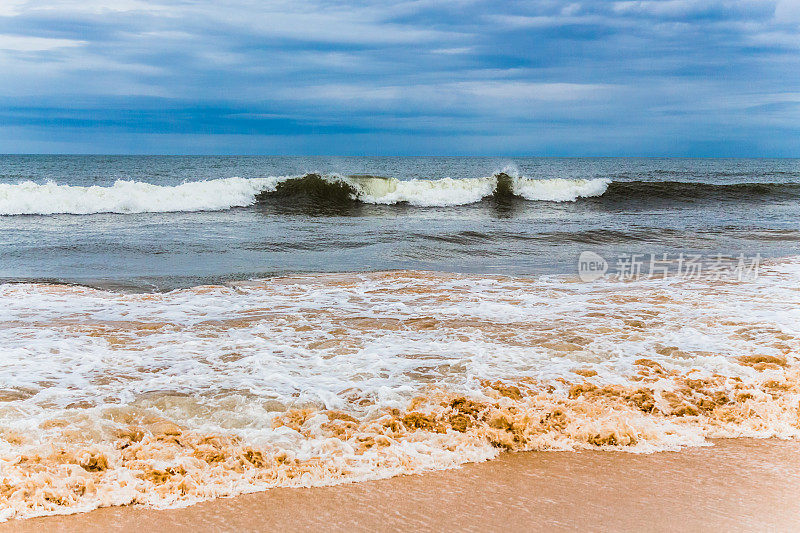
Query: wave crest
[(29, 198), (432, 193)]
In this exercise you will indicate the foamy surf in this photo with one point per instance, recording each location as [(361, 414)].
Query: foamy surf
[(29, 198), (170, 398), (447, 191)]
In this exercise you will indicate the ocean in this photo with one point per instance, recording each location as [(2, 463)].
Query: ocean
[(160, 223), (174, 329)]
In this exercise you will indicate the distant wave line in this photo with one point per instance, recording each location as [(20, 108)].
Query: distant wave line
[(29, 198), (125, 196)]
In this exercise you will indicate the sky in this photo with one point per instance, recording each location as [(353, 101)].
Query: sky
[(425, 77)]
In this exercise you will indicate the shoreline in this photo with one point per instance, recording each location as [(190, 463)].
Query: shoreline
[(146, 284), (215, 391), (736, 484)]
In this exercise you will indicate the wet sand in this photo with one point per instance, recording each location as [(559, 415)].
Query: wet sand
[(736, 485)]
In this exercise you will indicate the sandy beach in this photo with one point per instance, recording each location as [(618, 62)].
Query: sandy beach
[(399, 266), (734, 485)]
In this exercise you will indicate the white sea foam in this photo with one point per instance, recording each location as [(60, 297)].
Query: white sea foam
[(559, 190), (447, 191), (424, 193), (29, 198), (303, 374)]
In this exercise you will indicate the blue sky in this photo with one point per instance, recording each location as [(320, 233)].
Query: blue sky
[(663, 77)]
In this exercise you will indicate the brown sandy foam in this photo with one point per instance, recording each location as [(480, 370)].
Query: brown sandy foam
[(530, 416), (96, 453), (736, 485)]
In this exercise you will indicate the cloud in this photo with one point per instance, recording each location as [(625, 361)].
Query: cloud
[(316, 70), (787, 11), (34, 44)]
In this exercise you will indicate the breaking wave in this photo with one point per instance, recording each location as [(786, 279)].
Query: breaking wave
[(29, 198), (434, 193)]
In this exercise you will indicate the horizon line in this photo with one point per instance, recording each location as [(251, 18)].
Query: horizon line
[(476, 156)]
